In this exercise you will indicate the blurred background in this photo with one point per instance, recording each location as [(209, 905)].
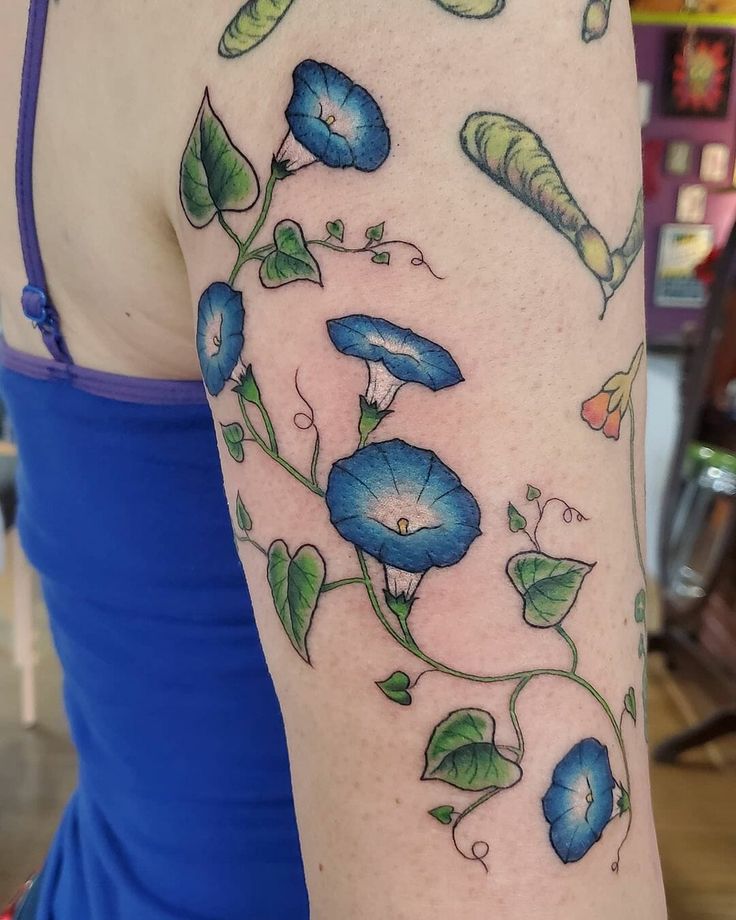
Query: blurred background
[(685, 59)]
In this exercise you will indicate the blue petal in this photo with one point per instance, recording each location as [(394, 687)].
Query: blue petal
[(222, 306), (579, 802), (408, 356), (391, 471), (365, 145)]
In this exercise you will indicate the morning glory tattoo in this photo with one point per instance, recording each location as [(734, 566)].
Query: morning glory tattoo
[(331, 121), (516, 159), (257, 19), (407, 514)]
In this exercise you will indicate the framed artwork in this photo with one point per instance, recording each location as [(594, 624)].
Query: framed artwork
[(678, 158), (697, 79), (714, 161), (691, 204), (682, 247)]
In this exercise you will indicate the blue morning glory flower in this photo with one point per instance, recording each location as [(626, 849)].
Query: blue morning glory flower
[(220, 319), (395, 356), (333, 120), (404, 507), (579, 803)]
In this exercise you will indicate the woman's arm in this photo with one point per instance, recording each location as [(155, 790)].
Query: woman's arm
[(413, 237)]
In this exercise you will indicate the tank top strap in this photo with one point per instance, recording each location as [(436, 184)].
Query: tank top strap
[(35, 299)]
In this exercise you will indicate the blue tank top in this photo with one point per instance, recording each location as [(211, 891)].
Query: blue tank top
[(183, 809)]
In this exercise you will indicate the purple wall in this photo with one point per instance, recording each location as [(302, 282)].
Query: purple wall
[(664, 324)]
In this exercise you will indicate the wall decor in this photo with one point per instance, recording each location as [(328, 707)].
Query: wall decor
[(714, 162), (682, 247), (679, 158), (697, 80)]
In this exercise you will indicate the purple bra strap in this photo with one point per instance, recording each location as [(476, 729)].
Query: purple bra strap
[(35, 299)]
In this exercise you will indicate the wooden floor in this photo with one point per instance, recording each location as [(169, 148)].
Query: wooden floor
[(695, 801)]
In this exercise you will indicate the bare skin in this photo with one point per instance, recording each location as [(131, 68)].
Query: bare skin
[(516, 308)]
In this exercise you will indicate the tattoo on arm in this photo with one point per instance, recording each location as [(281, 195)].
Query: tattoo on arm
[(516, 159), (256, 19), (400, 507)]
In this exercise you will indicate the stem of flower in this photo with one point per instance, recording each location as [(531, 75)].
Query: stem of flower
[(229, 230), (254, 543), (300, 477), (515, 719), (632, 481), (331, 585), (480, 849), (244, 253), (573, 648)]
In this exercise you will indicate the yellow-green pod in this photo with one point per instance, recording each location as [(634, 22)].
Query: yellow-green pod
[(253, 22), (595, 19), (635, 238), (515, 158), (473, 9)]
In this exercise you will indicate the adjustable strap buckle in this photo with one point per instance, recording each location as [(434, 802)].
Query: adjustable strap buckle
[(35, 306)]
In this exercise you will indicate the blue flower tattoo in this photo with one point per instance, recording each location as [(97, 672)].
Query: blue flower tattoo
[(579, 803), (220, 319), (403, 506), (394, 355), (332, 120)]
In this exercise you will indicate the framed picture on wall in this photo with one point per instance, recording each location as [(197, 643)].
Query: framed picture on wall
[(697, 78), (678, 158), (682, 247)]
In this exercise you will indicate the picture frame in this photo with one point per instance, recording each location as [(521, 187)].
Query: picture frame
[(682, 247), (678, 158), (692, 201), (698, 71)]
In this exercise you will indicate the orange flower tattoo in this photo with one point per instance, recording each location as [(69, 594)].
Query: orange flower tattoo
[(606, 410)]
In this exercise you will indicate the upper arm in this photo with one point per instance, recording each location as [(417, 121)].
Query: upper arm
[(412, 237)]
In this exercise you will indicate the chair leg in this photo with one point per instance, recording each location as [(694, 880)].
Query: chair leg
[(23, 635), (716, 726)]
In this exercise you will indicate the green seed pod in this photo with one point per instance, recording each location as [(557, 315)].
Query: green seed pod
[(253, 22), (595, 19), (473, 9), (515, 158)]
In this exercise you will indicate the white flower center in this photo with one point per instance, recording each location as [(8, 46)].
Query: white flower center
[(382, 385), (403, 515), (213, 336)]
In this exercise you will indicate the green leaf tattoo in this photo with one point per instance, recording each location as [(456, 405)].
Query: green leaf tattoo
[(396, 688), (532, 493), (233, 436), (336, 229), (462, 753), (443, 813), (291, 260), (254, 21), (517, 521), (473, 9), (381, 258), (548, 586), (242, 517), (640, 606), (296, 582), (214, 175), (375, 233), (630, 703)]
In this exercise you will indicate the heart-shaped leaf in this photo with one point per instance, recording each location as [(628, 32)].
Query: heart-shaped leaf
[(336, 229), (214, 175), (233, 436), (473, 9), (443, 813), (462, 752), (630, 703), (532, 493), (548, 586), (254, 21), (381, 258), (291, 260), (244, 520), (375, 233), (296, 582), (517, 521), (640, 606), (396, 688)]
